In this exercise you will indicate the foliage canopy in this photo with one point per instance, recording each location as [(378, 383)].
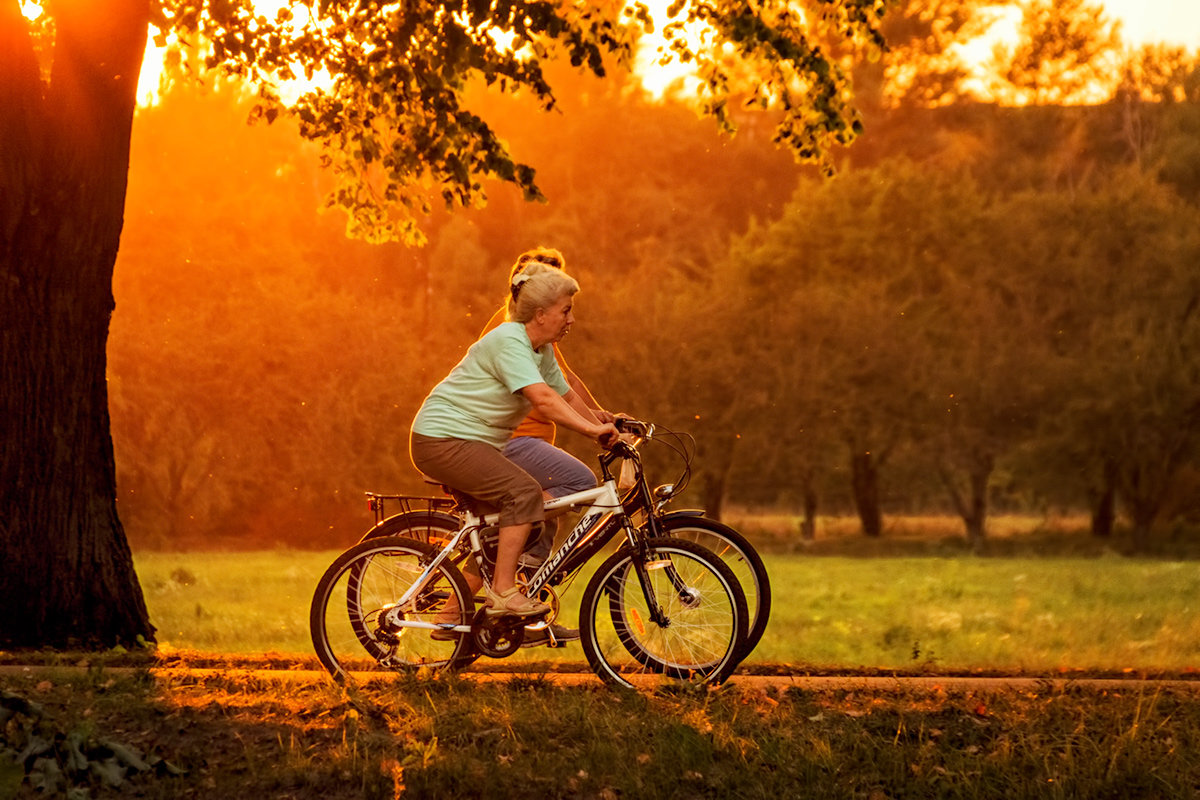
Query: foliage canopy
[(392, 116)]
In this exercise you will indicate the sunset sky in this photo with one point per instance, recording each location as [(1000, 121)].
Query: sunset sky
[(1175, 21)]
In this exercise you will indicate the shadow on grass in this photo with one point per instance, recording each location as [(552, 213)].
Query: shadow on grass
[(90, 731), (241, 735)]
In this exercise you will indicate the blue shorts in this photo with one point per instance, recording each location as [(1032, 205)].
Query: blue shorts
[(555, 470), (558, 473)]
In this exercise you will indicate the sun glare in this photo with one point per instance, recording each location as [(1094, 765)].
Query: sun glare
[(1003, 31), (658, 71)]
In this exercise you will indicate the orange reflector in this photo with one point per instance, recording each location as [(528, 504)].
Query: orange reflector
[(636, 619)]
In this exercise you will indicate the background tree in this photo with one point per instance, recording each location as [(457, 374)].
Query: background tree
[(1066, 52), (1159, 105), (1126, 272), (923, 66)]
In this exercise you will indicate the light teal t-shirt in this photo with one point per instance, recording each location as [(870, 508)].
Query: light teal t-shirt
[(480, 399)]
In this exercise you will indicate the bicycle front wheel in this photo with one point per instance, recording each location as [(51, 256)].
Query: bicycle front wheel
[(678, 612), (357, 624), (739, 555)]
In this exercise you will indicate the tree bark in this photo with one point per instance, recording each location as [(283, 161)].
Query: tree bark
[(808, 527), (718, 461), (864, 478), (1143, 503), (714, 494), (1104, 503), (68, 578), (972, 505)]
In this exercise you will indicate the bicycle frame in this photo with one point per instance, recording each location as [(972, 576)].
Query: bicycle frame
[(604, 518), (608, 512), (604, 501)]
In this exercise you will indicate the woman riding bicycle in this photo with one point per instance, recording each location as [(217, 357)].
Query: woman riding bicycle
[(532, 444), (462, 426)]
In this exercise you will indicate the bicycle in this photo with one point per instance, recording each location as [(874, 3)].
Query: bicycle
[(433, 520), (657, 606)]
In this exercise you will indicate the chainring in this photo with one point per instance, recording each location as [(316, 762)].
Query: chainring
[(497, 636)]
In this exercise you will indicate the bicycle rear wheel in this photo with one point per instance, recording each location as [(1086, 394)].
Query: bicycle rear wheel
[(355, 622), (739, 555), (679, 613)]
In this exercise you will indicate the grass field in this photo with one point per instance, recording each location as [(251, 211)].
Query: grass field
[(1015, 614), (235, 733)]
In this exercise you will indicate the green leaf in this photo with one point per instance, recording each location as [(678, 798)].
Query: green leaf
[(110, 771), (125, 754), (46, 776), (76, 761)]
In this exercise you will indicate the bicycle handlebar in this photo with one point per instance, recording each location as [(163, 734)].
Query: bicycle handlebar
[(635, 427)]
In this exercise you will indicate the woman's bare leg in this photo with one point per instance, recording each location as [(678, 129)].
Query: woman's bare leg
[(508, 550)]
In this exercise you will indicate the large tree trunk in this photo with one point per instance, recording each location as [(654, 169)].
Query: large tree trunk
[(718, 461), (1143, 505), (1142, 484), (67, 577)]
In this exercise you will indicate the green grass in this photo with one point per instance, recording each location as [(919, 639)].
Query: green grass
[(232, 602), (1011, 614), (831, 613)]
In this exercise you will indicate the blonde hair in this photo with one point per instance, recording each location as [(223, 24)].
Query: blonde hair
[(538, 285)]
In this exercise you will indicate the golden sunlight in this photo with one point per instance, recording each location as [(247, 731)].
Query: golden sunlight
[(654, 65), (1141, 22)]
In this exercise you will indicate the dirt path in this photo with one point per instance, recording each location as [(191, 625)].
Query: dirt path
[(810, 682)]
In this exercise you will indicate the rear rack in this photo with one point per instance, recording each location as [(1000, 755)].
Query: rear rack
[(408, 503)]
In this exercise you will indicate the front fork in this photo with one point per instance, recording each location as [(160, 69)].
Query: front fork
[(643, 562)]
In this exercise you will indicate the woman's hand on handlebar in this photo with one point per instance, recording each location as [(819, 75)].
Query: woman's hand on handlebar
[(607, 435)]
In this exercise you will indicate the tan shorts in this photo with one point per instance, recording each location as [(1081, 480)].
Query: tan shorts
[(483, 472)]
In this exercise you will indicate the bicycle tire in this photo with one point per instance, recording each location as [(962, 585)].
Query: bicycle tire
[(737, 552), (700, 640), (431, 527), (350, 619)]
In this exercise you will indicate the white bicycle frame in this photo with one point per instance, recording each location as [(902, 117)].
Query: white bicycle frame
[(601, 501)]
